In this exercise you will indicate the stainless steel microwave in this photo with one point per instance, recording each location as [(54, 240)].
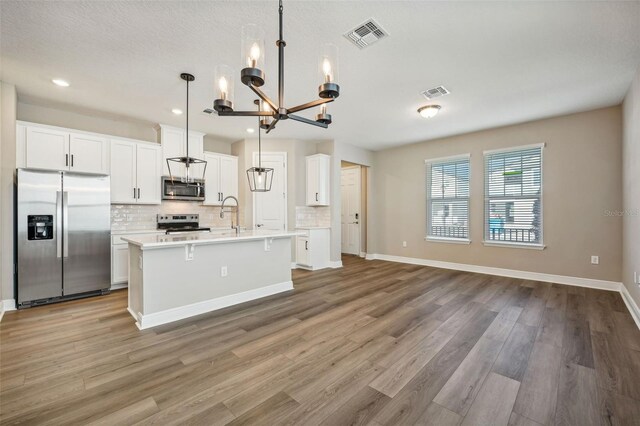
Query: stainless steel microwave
[(177, 189)]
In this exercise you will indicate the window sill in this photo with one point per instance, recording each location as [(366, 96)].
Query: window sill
[(514, 245), (448, 240)]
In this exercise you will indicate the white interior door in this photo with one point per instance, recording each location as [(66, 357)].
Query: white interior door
[(350, 214), (270, 208)]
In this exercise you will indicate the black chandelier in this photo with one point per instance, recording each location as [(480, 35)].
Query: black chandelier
[(253, 77)]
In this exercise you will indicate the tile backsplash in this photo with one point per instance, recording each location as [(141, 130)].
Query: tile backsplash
[(137, 217), (313, 216)]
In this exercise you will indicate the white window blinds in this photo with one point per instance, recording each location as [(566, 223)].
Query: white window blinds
[(448, 198), (513, 196)]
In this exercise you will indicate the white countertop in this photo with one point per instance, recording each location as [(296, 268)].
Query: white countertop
[(198, 238), (313, 227)]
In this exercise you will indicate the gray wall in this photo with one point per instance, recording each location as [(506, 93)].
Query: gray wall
[(582, 180), (89, 121), (631, 188), (7, 173)]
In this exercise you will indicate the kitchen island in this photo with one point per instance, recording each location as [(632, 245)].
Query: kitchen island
[(172, 277)]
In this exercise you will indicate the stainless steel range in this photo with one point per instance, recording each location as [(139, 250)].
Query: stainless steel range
[(179, 223)]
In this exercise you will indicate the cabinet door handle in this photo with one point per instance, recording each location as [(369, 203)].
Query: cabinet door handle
[(71, 160), (316, 196), (134, 193), (306, 245), (138, 193), (66, 159)]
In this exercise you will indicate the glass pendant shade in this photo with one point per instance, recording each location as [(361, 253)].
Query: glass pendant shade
[(252, 47), (328, 63), (223, 88), (328, 71), (260, 179), (265, 121)]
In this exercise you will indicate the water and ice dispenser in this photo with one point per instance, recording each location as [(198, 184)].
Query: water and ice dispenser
[(39, 227)]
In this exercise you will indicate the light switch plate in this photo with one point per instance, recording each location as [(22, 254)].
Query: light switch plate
[(595, 260), (223, 271)]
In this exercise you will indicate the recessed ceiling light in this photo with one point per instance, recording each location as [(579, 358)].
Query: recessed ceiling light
[(250, 130), (176, 111), (429, 111), (59, 82)]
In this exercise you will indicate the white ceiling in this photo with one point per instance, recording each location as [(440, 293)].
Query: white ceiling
[(504, 62)]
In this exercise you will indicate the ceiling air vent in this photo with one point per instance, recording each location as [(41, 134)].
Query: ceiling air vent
[(366, 33), (436, 92)]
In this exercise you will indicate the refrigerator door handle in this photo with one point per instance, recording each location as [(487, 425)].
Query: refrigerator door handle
[(65, 222), (58, 224)]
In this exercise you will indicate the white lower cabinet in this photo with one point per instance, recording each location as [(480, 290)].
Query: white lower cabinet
[(312, 249), (120, 257), (120, 263)]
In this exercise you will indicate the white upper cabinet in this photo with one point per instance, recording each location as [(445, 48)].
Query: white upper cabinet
[(221, 178), (229, 176), (212, 180), (54, 148), (89, 154), (149, 173), (47, 149), (174, 145), (123, 172), (135, 172), (318, 173)]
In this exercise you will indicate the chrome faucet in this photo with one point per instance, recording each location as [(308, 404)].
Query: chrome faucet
[(237, 227)]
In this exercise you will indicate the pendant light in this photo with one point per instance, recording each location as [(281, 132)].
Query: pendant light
[(187, 160), (253, 76), (260, 178)]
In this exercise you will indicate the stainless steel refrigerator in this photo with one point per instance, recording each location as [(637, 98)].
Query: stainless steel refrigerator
[(63, 236)]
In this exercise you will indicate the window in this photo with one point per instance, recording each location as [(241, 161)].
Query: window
[(513, 196), (448, 198)]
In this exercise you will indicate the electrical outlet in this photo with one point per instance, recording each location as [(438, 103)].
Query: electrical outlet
[(404, 244), (595, 260), (188, 252), (223, 271)]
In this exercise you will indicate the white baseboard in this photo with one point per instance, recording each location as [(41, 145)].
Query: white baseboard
[(511, 273), (335, 264), (631, 304), (370, 256), (175, 314), (294, 265), (119, 286), (363, 254), (7, 305)]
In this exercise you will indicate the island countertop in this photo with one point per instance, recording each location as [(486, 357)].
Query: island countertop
[(200, 238)]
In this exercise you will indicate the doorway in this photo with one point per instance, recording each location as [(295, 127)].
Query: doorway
[(270, 208), (352, 212)]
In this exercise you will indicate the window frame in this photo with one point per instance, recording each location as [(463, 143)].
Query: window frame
[(428, 164), (511, 244)]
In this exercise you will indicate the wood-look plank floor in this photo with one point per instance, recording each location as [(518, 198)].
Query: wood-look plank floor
[(375, 343)]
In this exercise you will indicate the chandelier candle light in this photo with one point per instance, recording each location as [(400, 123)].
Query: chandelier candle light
[(260, 178), (252, 75), (186, 160)]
